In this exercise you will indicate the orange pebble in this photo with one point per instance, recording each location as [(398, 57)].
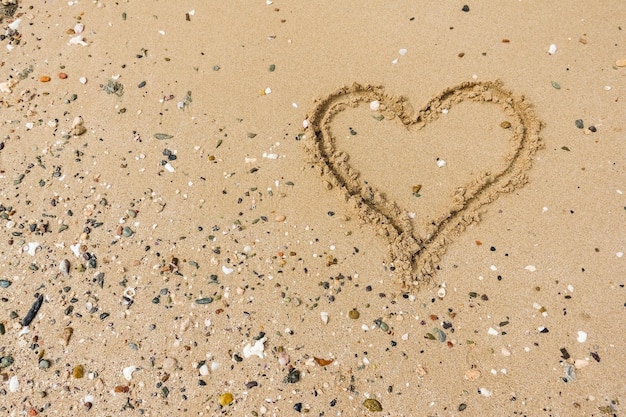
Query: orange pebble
[(62, 75), (44, 79)]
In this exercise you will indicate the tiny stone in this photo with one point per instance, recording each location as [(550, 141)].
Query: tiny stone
[(354, 314), (466, 8), (372, 405), (78, 372), (579, 123), (225, 399)]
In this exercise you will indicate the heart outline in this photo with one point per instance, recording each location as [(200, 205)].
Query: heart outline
[(415, 258)]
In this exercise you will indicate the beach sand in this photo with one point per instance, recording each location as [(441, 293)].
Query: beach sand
[(267, 208)]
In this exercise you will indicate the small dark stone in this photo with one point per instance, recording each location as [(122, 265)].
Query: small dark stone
[(298, 407), (292, 377), (251, 384), (593, 129), (462, 406), (465, 8), (565, 354), (579, 123)]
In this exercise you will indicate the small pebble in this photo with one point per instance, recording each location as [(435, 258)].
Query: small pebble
[(78, 372), (505, 125), (465, 8), (354, 314), (552, 49), (579, 123), (44, 79), (225, 399), (62, 75), (373, 405)]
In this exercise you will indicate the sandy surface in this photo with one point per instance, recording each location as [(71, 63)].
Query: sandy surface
[(202, 214)]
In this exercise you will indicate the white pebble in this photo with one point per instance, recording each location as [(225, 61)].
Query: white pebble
[(88, 399), (268, 90), (14, 384), (441, 292), (619, 254), (552, 49), (324, 316), (530, 268), (582, 336), (375, 105), (492, 331), (83, 80), (402, 52), (79, 28), (484, 392), (169, 167), (227, 270), (444, 111), (305, 123), (128, 372), (215, 366), (256, 349), (607, 88), (441, 163), (204, 370)]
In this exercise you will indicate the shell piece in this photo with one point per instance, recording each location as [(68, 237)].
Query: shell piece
[(128, 372), (64, 267)]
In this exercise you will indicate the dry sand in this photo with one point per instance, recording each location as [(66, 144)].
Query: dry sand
[(201, 214)]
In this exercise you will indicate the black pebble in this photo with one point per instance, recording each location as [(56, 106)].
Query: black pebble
[(465, 8)]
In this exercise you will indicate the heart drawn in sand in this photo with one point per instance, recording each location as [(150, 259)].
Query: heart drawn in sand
[(414, 253)]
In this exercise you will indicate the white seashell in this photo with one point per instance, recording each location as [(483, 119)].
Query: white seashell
[(128, 372), (14, 384), (78, 40), (552, 49), (256, 349), (441, 293), (324, 316)]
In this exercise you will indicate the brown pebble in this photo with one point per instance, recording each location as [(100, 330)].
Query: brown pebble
[(62, 75), (67, 335), (373, 405), (78, 372), (621, 62), (44, 78), (280, 218)]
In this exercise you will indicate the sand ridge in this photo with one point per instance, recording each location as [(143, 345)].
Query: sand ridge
[(414, 254)]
